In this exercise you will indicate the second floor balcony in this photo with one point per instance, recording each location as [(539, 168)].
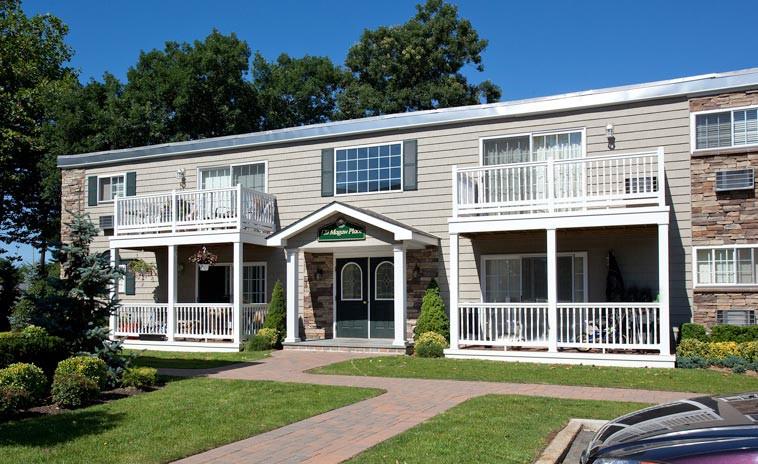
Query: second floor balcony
[(224, 209), (551, 186)]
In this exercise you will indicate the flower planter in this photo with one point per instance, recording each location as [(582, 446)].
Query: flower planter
[(204, 267)]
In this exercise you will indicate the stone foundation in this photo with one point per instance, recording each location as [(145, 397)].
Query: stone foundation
[(707, 303)]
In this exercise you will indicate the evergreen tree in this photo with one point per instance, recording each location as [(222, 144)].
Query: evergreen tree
[(276, 318), (432, 317), (10, 277)]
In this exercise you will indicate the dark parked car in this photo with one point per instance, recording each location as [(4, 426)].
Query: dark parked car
[(712, 430)]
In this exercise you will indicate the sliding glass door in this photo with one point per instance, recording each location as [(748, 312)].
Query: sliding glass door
[(523, 278)]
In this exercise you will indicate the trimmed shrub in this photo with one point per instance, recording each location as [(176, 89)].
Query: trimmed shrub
[(12, 399), (721, 350), (692, 331), (34, 331), (734, 333), (73, 389), (140, 377), (748, 351), (27, 377), (694, 362), (92, 368), (44, 351), (432, 317), (692, 347), (276, 318), (430, 345), (265, 339)]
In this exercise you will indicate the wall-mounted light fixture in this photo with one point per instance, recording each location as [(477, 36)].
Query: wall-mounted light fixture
[(181, 175), (611, 137), (416, 272), (319, 273)]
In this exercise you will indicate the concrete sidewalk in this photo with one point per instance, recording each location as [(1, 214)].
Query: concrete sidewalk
[(340, 434)]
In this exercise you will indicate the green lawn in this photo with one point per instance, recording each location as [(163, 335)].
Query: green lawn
[(186, 360), (695, 380), (493, 428), (184, 418)]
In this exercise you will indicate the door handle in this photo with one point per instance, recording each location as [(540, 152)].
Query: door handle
[(364, 302)]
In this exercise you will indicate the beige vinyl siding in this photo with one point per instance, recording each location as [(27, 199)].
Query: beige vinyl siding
[(294, 176)]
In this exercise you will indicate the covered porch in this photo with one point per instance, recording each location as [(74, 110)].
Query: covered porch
[(581, 290), (353, 278), (188, 307)]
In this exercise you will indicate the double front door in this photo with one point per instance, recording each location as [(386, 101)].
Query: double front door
[(365, 297)]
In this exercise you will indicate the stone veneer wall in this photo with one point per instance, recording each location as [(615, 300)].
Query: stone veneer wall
[(72, 197), (726, 217), (317, 311)]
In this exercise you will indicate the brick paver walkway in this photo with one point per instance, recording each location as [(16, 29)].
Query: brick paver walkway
[(340, 434)]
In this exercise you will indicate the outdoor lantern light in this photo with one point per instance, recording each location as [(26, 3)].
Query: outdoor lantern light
[(319, 274), (611, 137), (180, 174), (416, 272)]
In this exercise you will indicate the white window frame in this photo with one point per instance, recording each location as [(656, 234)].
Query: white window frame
[(109, 176), (231, 278), (200, 169), (402, 168), (376, 269), (342, 281), (531, 136), (520, 256), (693, 129), (695, 275)]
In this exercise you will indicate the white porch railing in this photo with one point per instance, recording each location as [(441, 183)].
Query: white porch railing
[(608, 325), (253, 315), (233, 208), (502, 324), (205, 321), (560, 185), (583, 326)]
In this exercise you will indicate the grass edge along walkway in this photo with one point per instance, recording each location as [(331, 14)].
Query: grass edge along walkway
[(193, 360), (492, 428), (685, 380), (183, 418)]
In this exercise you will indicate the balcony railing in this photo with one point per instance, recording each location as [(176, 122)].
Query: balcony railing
[(614, 181), (581, 326), (194, 321), (232, 208)]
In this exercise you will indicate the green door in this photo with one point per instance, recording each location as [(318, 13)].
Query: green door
[(382, 284), (352, 297)]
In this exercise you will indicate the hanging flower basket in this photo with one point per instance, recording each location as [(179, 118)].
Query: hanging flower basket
[(204, 259)]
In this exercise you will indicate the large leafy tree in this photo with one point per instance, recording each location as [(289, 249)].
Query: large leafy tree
[(416, 66), (32, 73)]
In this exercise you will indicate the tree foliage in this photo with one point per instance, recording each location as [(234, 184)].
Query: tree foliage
[(433, 317), (276, 318), (416, 66), (10, 278)]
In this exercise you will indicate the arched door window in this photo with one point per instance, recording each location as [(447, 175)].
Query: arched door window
[(352, 282), (384, 282)]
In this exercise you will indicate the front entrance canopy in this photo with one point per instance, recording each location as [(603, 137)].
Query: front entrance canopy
[(399, 232), (367, 232)]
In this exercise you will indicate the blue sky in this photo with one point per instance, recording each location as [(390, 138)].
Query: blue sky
[(535, 48)]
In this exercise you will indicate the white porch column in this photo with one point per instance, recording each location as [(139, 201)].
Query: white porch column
[(113, 291), (401, 295), (237, 264), (453, 284), (172, 292), (663, 288), (552, 291), (293, 325)]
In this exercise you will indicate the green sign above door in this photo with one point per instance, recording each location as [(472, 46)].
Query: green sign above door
[(341, 231)]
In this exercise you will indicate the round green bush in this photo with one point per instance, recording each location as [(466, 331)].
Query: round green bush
[(34, 331), (258, 342), (272, 334), (430, 345), (748, 351), (12, 399), (73, 389), (433, 317), (139, 377), (28, 377), (694, 362), (692, 347), (94, 369), (691, 330)]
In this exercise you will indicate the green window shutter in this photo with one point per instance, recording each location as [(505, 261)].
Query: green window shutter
[(130, 283), (131, 184), (410, 165), (327, 172), (92, 191)]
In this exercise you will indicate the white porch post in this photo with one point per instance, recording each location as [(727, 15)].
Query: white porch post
[(237, 264), (401, 294), (113, 291), (172, 292), (663, 288), (453, 284), (292, 303), (552, 292)]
